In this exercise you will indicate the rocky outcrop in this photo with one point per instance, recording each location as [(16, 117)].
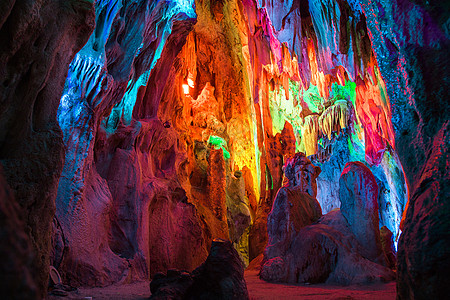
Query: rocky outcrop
[(358, 192), (326, 251), (338, 248), (119, 174), (294, 208), (221, 276), (39, 39)]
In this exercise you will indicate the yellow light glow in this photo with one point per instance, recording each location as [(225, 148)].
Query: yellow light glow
[(185, 89)]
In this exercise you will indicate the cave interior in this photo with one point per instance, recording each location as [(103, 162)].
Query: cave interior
[(181, 142)]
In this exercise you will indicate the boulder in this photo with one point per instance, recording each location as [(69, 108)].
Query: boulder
[(221, 276), (358, 193), (325, 252), (292, 210), (294, 207), (342, 247), (173, 285)]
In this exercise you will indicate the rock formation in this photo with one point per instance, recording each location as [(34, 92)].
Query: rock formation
[(17, 265), (221, 276), (342, 247), (38, 41), (358, 192), (420, 114)]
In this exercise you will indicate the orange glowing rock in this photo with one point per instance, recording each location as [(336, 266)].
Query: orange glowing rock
[(310, 133)]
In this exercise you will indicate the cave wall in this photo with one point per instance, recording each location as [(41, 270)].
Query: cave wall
[(179, 116), (36, 49), (121, 182), (411, 41)]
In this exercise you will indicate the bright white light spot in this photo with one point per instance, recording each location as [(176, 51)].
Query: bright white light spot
[(185, 89), (190, 82)]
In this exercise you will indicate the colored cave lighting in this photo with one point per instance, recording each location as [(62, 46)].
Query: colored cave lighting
[(219, 143), (185, 89), (190, 80)]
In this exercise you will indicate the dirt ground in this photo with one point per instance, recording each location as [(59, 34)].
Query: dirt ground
[(257, 289)]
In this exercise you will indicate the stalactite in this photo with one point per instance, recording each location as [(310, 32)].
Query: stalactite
[(310, 133), (334, 118)]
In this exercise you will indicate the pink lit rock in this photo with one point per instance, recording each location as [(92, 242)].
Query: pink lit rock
[(301, 172)]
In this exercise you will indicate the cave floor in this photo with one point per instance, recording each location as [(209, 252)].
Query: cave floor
[(260, 289), (257, 288)]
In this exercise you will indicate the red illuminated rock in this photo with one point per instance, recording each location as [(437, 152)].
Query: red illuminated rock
[(325, 252), (343, 247)]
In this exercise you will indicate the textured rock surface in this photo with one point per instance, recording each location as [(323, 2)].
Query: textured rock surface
[(221, 276), (294, 207), (119, 174), (16, 279), (39, 39), (358, 191), (227, 78), (325, 252), (268, 78), (343, 247), (417, 89)]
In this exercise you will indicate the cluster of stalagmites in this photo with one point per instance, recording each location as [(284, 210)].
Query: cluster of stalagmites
[(342, 247)]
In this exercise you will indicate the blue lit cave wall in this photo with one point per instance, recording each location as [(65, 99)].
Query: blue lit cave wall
[(162, 85), (99, 94)]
